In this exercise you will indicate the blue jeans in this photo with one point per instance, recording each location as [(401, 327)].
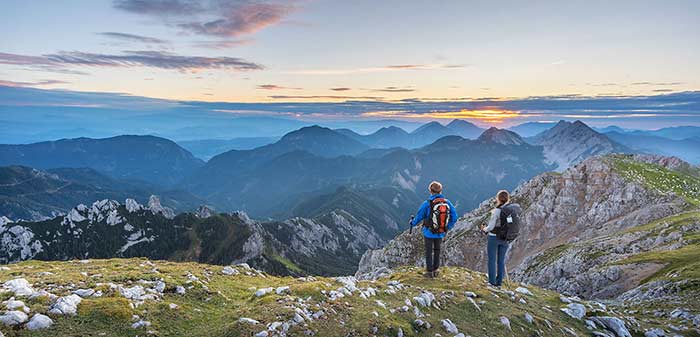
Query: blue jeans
[(497, 249)]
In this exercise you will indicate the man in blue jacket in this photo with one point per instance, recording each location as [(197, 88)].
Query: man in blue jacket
[(438, 216)]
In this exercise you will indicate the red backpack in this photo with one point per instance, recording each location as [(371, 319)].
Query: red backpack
[(439, 216)]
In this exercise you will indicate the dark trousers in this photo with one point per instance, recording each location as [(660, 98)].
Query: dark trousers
[(432, 253), (497, 250)]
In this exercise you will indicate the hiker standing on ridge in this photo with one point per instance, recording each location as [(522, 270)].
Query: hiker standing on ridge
[(502, 229), (438, 216)]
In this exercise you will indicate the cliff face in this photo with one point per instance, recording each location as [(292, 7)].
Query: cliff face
[(593, 202)]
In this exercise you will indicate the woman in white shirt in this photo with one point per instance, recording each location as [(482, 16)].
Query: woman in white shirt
[(496, 248)]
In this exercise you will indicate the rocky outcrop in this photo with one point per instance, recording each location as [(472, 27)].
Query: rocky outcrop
[(328, 244), (591, 268), (571, 232)]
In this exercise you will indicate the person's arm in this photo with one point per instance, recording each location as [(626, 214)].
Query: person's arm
[(420, 215), (453, 216), (495, 216)]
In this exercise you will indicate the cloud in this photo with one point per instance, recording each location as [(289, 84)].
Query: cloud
[(426, 66), (133, 37), (9, 83), (240, 18), (223, 18), (394, 89), (275, 87), (340, 89), (395, 67), (222, 44), (153, 59), (16, 59), (650, 111), (159, 7), (333, 97), (657, 83)]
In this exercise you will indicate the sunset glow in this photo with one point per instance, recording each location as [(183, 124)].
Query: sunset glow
[(486, 116)]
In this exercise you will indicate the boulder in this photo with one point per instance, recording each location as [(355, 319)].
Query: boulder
[(13, 317), (67, 305), (84, 292), (529, 318), (228, 270), (449, 326), (247, 320), (141, 324), (506, 322), (524, 291), (39, 321), (575, 310), (15, 305), (20, 287), (262, 292), (613, 324)]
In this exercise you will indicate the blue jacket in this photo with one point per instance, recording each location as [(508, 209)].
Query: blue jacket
[(424, 212)]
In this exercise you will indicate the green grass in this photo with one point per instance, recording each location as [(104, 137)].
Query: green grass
[(674, 222), (658, 178), (286, 263), (215, 311), (549, 255), (683, 263)]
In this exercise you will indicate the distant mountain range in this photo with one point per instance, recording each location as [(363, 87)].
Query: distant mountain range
[(205, 149), (31, 194), (392, 136), (687, 149), (260, 180), (313, 169), (153, 159)]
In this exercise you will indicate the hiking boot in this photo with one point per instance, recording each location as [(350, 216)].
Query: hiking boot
[(428, 274), (436, 273)]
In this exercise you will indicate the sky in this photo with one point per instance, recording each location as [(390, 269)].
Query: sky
[(311, 51)]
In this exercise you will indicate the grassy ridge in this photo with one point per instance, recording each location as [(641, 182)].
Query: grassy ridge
[(658, 178), (213, 307)]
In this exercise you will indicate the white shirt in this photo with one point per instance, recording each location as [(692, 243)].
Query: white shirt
[(495, 218)]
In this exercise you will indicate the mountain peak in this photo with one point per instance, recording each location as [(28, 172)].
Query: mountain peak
[(501, 136), (390, 130), (464, 128), (563, 143), (433, 130), (460, 122)]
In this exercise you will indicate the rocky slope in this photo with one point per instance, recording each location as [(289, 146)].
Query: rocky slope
[(329, 244), (568, 143), (623, 228), (135, 297), (586, 201), (592, 207)]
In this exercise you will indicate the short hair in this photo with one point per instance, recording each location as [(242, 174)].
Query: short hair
[(502, 198), (435, 187)]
